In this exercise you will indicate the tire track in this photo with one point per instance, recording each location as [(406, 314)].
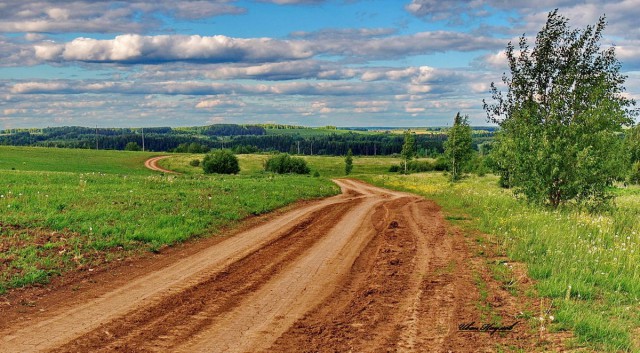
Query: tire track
[(184, 314)]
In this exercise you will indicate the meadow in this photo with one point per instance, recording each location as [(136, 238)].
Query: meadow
[(73, 160), (326, 166), (587, 264), (81, 215)]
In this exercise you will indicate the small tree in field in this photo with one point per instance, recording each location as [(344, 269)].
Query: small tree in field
[(221, 162), (408, 148), (561, 115), (458, 149), (348, 162)]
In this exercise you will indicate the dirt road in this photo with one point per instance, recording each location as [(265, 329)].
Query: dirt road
[(152, 163), (370, 270)]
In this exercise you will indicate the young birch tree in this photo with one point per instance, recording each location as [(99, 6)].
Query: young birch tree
[(562, 114)]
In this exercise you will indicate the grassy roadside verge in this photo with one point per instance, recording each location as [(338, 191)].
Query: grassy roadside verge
[(586, 264), (52, 222)]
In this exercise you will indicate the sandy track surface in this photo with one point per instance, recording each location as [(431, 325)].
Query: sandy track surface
[(152, 163), (370, 270)]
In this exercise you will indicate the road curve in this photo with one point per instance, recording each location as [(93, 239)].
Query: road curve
[(367, 270), (152, 163)]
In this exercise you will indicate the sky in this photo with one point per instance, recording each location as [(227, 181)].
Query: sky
[(301, 62)]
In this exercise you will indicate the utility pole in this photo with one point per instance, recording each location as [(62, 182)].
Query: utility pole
[(298, 147), (142, 139), (96, 137)]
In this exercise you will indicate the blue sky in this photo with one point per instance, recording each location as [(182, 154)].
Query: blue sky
[(304, 62)]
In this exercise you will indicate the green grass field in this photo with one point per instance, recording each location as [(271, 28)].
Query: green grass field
[(589, 265), (80, 215), (73, 160), (251, 164)]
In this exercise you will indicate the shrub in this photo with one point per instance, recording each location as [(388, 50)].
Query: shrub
[(194, 163), (132, 146), (420, 166), (283, 163), (634, 175), (441, 164), (221, 162)]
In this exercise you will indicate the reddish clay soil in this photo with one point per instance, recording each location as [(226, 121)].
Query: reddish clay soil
[(370, 270), (152, 163)]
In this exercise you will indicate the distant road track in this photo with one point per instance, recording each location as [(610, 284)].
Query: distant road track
[(152, 163)]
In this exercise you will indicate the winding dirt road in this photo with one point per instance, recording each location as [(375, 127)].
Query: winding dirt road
[(370, 270), (152, 163)]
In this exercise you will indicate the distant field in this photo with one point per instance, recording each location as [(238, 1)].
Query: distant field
[(83, 215), (310, 132), (326, 166), (73, 160)]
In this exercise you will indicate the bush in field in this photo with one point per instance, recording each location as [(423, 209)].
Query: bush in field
[(284, 164), (221, 162), (414, 166), (132, 146), (442, 164), (194, 163)]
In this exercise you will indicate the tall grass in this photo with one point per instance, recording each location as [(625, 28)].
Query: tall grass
[(587, 263)]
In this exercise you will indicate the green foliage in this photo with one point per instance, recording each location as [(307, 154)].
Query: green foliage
[(441, 164), (408, 148), (458, 149), (194, 163), (192, 147), (632, 144), (634, 173), (283, 163), (132, 146), (348, 162), (221, 162), (415, 166), (561, 115)]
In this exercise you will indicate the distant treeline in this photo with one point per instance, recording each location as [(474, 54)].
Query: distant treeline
[(242, 138)]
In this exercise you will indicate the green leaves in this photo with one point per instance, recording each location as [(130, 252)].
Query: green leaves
[(458, 149), (561, 115)]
